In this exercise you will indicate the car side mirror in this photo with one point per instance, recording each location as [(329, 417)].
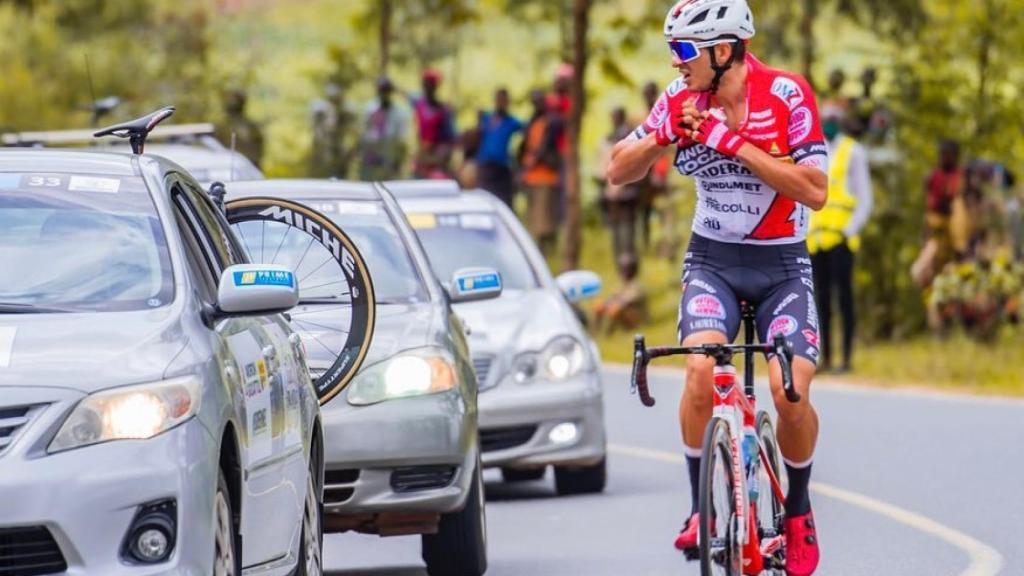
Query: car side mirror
[(473, 284), (578, 285), (255, 289)]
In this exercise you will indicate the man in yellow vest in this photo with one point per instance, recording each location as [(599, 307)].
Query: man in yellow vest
[(833, 236)]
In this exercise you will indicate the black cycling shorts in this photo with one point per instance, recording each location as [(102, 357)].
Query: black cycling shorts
[(776, 279)]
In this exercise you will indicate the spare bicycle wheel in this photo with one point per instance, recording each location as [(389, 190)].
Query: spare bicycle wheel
[(335, 315)]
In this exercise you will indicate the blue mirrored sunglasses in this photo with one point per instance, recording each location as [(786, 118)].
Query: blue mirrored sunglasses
[(688, 50)]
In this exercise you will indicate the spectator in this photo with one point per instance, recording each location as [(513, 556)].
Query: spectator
[(655, 195), (436, 136), (238, 129), (541, 164), (627, 308), (332, 120), (834, 234), (494, 164), (623, 203), (942, 187), (382, 145)]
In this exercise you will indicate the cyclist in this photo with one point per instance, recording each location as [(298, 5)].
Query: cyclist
[(751, 138)]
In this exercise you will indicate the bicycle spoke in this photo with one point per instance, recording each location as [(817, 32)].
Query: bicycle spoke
[(304, 253), (324, 326), (322, 345), (283, 238), (315, 270), (319, 310), (245, 241), (328, 284)]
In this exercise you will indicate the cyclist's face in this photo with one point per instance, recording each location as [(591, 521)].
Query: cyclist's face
[(697, 73)]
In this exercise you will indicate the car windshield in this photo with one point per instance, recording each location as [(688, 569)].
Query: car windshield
[(81, 243), (366, 222), (472, 240)]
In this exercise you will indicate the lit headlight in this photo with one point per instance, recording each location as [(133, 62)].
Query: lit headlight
[(562, 358), (414, 373), (132, 412)]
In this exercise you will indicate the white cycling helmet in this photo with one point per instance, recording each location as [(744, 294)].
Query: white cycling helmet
[(709, 19)]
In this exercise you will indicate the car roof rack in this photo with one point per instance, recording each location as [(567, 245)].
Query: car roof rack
[(422, 188), (57, 137)]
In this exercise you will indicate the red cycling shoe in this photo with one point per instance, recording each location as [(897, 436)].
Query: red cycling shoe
[(801, 546), (687, 538)]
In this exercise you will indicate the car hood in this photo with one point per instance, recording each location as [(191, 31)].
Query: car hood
[(397, 327), (518, 320), (88, 352)]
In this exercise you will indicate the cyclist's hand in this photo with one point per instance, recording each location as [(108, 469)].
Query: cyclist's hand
[(714, 134), (683, 115)]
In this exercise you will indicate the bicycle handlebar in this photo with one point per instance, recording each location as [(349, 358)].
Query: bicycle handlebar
[(642, 355)]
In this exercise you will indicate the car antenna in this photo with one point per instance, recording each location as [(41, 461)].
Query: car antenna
[(137, 130), (98, 107)]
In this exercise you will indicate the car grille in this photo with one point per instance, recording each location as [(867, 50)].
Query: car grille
[(12, 421), (421, 478), (482, 366), (29, 551), (339, 485), (505, 438)]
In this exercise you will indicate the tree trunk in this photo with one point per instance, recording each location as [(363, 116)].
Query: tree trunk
[(807, 18), (981, 127), (385, 36), (581, 24)]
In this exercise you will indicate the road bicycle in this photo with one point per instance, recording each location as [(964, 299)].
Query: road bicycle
[(741, 526)]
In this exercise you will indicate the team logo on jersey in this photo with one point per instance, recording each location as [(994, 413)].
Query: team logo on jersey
[(706, 306), (801, 122), (784, 325), (811, 336), (788, 91)]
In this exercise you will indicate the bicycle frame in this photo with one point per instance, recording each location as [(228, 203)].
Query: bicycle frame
[(738, 408)]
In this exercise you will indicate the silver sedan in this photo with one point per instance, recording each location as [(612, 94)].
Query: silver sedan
[(540, 391), (156, 415)]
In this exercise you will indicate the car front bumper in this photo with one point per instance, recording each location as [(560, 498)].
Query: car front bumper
[(368, 450), (516, 421), (87, 498)]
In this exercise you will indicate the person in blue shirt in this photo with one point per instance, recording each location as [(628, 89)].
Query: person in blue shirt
[(494, 163)]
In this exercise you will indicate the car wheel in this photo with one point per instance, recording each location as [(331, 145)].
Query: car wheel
[(522, 474), (460, 546), (581, 479), (226, 558), (311, 547)]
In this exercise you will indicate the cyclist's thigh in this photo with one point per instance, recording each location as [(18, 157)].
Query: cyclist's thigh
[(790, 310), (708, 309)]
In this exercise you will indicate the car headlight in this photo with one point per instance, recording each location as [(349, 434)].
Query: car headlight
[(129, 413), (415, 373), (562, 358)]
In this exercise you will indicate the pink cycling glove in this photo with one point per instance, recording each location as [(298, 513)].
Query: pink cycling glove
[(714, 134)]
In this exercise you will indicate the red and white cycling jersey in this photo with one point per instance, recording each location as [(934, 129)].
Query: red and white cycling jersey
[(734, 205)]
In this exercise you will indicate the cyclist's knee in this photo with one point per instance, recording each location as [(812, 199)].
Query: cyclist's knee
[(699, 379), (792, 412)]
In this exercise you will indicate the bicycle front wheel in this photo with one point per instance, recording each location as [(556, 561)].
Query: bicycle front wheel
[(770, 510), (720, 550), (335, 315)]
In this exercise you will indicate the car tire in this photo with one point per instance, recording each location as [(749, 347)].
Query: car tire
[(460, 546), (227, 558), (571, 480), (311, 544), (511, 475)]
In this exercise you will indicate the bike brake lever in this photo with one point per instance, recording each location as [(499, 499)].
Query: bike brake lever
[(785, 356), (638, 377)]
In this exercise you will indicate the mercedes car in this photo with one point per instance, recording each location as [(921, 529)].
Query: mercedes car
[(540, 385), (400, 441), (156, 411)]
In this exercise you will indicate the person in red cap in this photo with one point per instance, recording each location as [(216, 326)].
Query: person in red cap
[(436, 136)]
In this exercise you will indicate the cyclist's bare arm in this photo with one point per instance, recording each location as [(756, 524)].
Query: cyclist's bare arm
[(805, 184), (632, 159)]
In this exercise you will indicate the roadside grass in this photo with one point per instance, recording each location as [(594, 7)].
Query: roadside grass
[(955, 363)]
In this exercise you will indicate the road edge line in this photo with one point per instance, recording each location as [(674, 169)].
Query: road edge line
[(984, 560)]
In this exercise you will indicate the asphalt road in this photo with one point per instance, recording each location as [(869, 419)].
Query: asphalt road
[(906, 484)]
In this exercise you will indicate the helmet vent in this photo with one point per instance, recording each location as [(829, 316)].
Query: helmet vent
[(700, 17)]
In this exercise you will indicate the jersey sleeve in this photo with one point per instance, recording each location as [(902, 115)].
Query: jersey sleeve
[(806, 139), (660, 111)]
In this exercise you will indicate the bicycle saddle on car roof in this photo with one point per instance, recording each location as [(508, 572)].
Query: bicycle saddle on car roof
[(137, 130)]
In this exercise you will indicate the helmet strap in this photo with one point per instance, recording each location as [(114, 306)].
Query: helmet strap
[(720, 69)]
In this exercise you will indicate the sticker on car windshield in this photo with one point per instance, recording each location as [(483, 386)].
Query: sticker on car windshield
[(9, 181), (94, 184), (6, 344), (422, 221), (476, 222)]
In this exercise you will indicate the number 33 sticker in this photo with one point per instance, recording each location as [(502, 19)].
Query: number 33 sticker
[(44, 181)]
